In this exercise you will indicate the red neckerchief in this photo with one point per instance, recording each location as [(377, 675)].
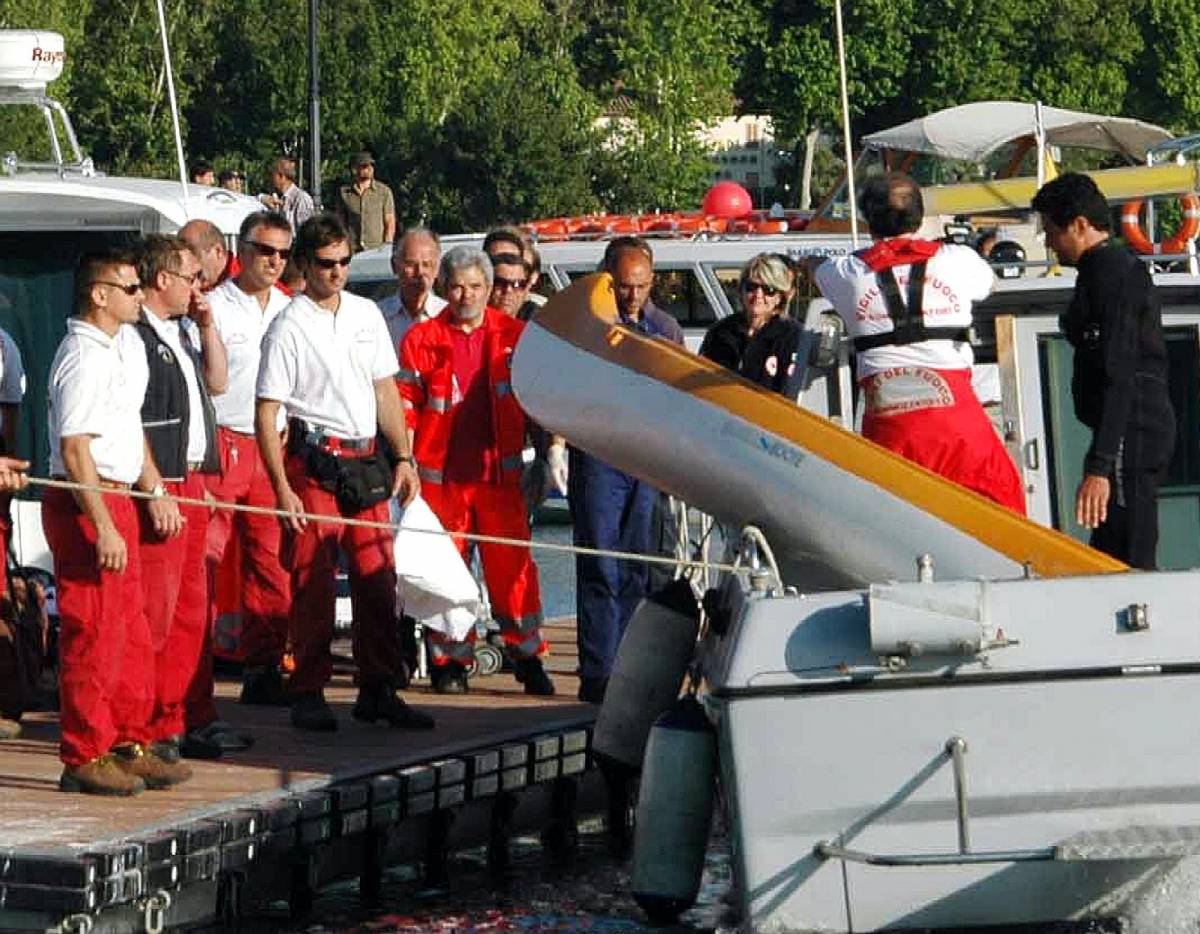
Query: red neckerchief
[(899, 251)]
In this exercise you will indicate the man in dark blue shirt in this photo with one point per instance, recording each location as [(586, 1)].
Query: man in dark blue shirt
[(610, 509)]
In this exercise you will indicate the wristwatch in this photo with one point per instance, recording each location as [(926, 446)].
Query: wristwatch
[(406, 459), (158, 491)]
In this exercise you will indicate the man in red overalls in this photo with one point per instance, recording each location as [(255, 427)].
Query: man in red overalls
[(469, 432), (907, 303)]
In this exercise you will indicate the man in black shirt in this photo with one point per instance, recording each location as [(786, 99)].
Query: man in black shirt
[(1119, 383)]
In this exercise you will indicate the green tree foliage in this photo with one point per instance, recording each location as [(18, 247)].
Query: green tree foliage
[(479, 113), (24, 131)]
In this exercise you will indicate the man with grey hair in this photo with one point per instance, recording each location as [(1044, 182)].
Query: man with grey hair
[(415, 262), (468, 435)]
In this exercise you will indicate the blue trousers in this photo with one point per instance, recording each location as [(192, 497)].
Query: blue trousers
[(615, 511)]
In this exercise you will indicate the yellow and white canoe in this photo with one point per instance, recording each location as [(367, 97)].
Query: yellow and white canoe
[(838, 510)]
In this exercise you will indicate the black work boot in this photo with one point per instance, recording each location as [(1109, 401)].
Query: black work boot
[(263, 685), (450, 678), (532, 673), (378, 701), (310, 712)]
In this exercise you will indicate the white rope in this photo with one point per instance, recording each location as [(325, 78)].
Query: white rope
[(392, 527)]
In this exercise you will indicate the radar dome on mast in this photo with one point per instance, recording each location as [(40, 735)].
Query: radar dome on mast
[(30, 58)]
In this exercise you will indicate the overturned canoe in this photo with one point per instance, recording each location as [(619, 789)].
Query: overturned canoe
[(838, 509)]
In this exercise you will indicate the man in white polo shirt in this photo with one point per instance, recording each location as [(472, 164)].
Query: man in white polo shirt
[(243, 308), (328, 359), (96, 386)]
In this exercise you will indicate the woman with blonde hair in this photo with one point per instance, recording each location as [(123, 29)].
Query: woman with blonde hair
[(761, 343)]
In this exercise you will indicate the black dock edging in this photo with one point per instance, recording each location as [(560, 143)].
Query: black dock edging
[(218, 861)]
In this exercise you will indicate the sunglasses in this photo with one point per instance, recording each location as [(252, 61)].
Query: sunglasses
[(190, 280), (331, 263), (129, 288), (751, 287), (500, 282), (269, 251)]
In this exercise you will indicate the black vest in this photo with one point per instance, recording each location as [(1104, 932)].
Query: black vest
[(166, 411)]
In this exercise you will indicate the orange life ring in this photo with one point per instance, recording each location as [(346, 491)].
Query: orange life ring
[(1131, 228)]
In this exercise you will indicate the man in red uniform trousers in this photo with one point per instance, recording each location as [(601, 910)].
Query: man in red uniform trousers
[(469, 433), (242, 309), (329, 360), (106, 678), (906, 302), (187, 362)]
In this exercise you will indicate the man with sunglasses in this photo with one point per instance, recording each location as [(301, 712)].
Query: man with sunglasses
[(328, 358), (208, 243), (510, 284), (242, 310), (187, 362), (96, 385), (519, 299), (906, 302)]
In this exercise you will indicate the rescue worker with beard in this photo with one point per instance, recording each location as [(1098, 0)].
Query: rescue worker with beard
[(468, 435), (1119, 383), (906, 303), (327, 359)]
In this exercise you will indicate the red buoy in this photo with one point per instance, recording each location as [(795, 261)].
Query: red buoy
[(728, 199)]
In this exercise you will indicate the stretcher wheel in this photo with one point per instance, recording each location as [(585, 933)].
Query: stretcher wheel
[(488, 659)]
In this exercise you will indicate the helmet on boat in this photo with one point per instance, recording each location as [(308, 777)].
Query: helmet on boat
[(1008, 251)]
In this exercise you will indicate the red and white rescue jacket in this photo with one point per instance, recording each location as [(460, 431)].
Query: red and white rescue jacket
[(955, 277), (426, 383)]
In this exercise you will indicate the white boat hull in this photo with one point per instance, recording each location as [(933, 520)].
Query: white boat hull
[(1077, 728)]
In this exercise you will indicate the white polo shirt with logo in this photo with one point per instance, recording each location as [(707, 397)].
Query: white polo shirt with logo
[(955, 277), (242, 324), (323, 365), (97, 386)]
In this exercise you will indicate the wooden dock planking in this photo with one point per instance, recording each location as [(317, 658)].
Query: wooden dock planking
[(33, 813)]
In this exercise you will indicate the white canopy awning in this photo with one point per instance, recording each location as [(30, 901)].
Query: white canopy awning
[(974, 131)]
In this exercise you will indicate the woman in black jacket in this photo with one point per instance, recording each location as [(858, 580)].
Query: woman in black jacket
[(760, 343)]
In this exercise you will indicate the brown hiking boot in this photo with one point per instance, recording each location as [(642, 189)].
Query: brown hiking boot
[(101, 776), (156, 772), (9, 729)]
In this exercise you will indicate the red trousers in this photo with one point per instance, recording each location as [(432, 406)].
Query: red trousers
[(175, 587), (312, 556), (267, 591), (508, 570), (106, 674), (945, 429)]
